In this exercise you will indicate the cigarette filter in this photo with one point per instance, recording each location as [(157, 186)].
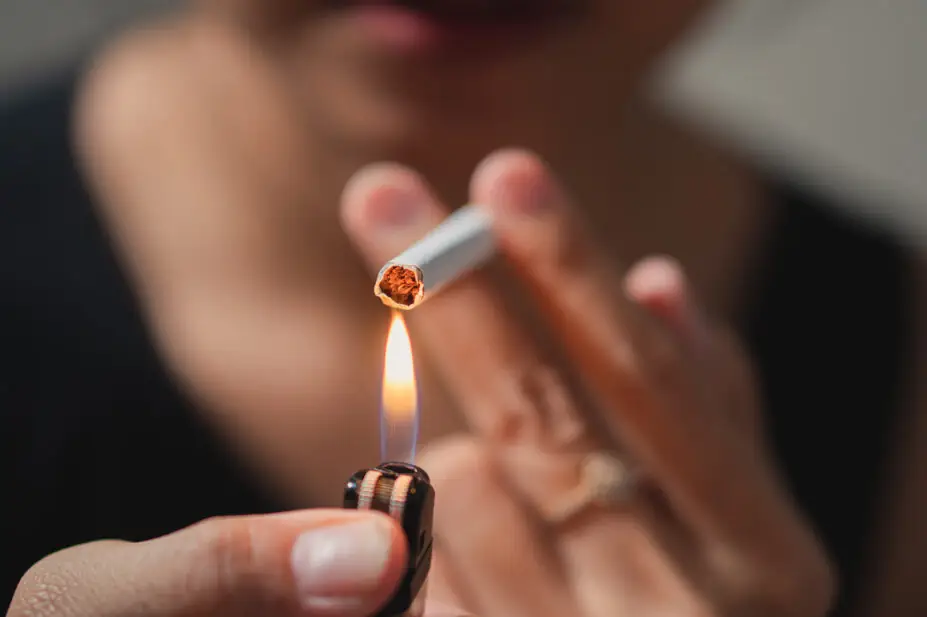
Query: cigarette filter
[(404, 492), (462, 242)]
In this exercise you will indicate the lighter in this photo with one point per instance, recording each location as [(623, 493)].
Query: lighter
[(404, 492)]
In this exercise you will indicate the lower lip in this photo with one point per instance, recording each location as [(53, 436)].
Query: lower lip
[(408, 32)]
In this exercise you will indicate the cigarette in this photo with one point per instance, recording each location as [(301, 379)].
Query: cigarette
[(462, 243)]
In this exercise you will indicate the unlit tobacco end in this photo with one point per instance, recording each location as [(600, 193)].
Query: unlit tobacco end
[(463, 242), (400, 287)]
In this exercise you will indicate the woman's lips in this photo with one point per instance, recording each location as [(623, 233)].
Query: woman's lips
[(465, 26), (462, 11)]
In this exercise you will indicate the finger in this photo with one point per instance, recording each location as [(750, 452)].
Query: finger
[(485, 357), (580, 291), (722, 484), (614, 549), (659, 285), (500, 557), (660, 407), (318, 563)]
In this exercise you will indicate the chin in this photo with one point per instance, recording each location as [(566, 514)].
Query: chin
[(450, 80), (443, 148), (426, 111)]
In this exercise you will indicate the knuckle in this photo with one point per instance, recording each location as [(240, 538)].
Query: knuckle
[(460, 466), (541, 404), (46, 590), (526, 395), (555, 406), (227, 558), (454, 459)]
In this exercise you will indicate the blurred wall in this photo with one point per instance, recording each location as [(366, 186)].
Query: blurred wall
[(37, 35), (835, 88)]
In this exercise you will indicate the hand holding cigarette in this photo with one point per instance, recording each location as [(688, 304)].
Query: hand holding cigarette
[(660, 498)]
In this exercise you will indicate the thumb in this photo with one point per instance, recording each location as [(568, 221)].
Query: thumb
[(312, 563)]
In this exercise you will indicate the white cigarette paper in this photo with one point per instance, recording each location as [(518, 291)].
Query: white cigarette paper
[(463, 242)]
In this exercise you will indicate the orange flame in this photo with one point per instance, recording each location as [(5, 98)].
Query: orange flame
[(399, 416)]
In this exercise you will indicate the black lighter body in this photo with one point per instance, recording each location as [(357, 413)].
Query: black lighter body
[(404, 492)]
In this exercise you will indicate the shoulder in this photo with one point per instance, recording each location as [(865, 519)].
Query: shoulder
[(152, 119), (44, 123), (134, 97), (48, 130)]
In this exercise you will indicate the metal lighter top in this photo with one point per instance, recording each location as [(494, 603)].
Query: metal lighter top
[(404, 492)]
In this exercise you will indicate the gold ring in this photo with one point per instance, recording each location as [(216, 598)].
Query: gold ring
[(605, 481)]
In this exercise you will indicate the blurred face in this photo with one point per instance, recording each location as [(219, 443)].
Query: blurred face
[(420, 78)]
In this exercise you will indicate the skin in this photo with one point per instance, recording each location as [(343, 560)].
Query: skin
[(674, 397), (218, 143), (237, 566)]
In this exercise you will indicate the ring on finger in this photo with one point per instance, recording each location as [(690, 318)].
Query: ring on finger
[(605, 482)]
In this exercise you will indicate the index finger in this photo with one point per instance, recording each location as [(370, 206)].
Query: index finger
[(486, 357)]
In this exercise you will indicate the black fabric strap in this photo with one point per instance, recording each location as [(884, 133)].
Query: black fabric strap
[(830, 332)]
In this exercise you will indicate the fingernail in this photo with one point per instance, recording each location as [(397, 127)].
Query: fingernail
[(338, 568), (517, 181), (524, 196), (393, 208)]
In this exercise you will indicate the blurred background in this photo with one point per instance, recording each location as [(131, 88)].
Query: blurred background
[(796, 81)]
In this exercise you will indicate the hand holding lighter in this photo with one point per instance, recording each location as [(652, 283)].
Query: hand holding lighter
[(404, 492)]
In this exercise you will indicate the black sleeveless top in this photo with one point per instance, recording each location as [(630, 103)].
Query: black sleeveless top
[(97, 442)]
